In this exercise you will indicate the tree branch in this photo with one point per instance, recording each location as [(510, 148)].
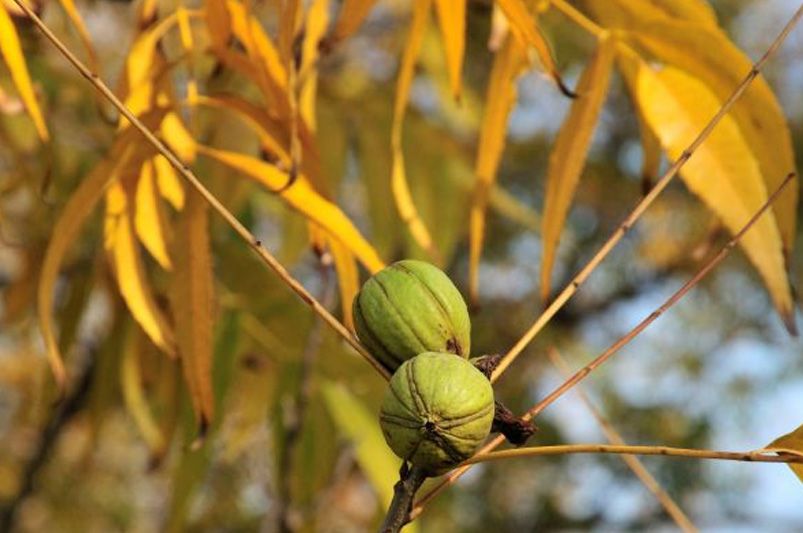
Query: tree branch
[(410, 479)]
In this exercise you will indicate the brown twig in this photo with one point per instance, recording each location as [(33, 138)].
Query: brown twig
[(665, 451), (193, 180), (604, 356), (410, 479), (634, 215), (633, 462)]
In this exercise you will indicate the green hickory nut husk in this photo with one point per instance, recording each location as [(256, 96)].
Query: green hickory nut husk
[(437, 411), (408, 308)]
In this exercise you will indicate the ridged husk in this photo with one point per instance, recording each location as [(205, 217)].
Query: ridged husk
[(437, 411), (409, 308)]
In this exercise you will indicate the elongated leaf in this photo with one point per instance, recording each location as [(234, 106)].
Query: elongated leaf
[(722, 172), (790, 443), (122, 246), (218, 22), (499, 100), (83, 34), (150, 219), (168, 182), (361, 428), (627, 13), (568, 156), (177, 137), (11, 51), (192, 300), (304, 199), (399, 185), (134, 396), (524, 27), (452, 20), (314, 31), (348, 278), (352, 13)]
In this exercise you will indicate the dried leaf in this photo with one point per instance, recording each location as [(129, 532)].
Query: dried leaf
[(150, 219), (568, 156), (790, 443), (399, 185), (218, 22), (302, 197), (500, 98), (452, 20), (723, 171), (83, 34), (122, 246), (11, 51), (192, 300), (359, 426), (352, 13)]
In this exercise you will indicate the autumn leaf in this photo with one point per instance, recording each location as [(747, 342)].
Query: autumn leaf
[(452, 20), (790, 443), (628, 13), (722, 171), (317, 21), (11, 50), (568, 156), (83, 34), (168, 182), (399, 185), (303, 198), (351, 15), (218, 22), (500, 98), (150, 219), (192, 295)]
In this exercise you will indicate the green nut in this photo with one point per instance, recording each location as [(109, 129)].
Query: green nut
[(437, 411), (409, 308)]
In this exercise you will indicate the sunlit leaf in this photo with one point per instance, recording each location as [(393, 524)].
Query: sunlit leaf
[(524, 27), (150, 220), (134, 395), (352, 13), (314, 30), (399, 185), (168, 182), (709, 55), (218, 22), (722, 172), (123, 249), (452, 20), (192, 298), (623, 13), (499, 100), (569, 153), (304, 199), (11, 51), (790, 443), (360, 427), (178, 138)]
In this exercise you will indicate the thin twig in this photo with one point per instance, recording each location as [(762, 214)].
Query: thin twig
[(193, 180), (452, 477), (634, 215), (665, 451), (410, 479), (633, 462)]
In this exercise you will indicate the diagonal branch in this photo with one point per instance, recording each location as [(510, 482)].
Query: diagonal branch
[(193, 180), (578, 376), (642, 206)]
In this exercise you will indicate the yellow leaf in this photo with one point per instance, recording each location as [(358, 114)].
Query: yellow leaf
[(169, 184), (452, 19), (524, 27), (303, 198), (150, 220), (359, 426), (83, 34), (629, 13), (708, 55), (352, 13), (314, 31), (11, 51), (134, 395), (790, 443), (568, 156), (499, 100), (140, 59), (177, 137), (348, 278), (400, 187), (218, 22), (121, 245), (192, 302), (723, 171), (184, 28)]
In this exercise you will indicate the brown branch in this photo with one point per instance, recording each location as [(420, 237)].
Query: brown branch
[(666, 451), (193, 180), (602, 358), (410, 479), (633, 462), (634, 215)]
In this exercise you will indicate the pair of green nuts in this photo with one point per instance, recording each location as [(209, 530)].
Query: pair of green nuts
[(438, 408)]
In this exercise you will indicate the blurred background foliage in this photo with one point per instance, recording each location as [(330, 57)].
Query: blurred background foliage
[(292, 445)]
